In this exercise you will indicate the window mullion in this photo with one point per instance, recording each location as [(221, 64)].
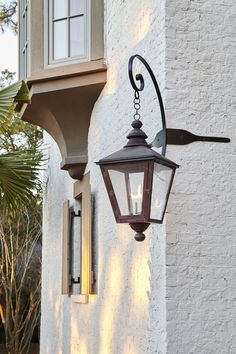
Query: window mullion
[(75, 16), (59, 19)]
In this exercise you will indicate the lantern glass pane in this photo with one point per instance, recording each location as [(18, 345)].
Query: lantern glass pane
[(127, 184), (162, 177)]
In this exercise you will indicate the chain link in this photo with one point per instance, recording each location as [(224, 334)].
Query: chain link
[(137, 105)]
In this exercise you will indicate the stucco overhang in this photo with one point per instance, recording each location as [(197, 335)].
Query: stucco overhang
[(62, 105)]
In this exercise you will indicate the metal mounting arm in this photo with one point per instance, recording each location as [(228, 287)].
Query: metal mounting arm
[(166, 136), (182, 137), (139, 77)]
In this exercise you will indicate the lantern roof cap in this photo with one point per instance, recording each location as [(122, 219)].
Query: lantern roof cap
[(137, 149), (135, 154)]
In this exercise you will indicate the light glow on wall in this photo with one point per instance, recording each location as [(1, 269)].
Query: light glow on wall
[(74, 338), (83, 349), (140, 278), (128, 347), (144, 26), (115, 275), (111, 86), (80, 347)]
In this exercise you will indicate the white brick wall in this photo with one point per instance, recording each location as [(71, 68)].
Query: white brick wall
[(201, 225), (128, 314), (175, 292)]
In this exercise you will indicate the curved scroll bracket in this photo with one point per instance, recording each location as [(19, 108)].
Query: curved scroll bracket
[(166, 136), (139, 78)]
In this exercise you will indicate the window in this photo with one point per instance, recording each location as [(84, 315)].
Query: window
[(68, 30), (24, 68), (55, 33)]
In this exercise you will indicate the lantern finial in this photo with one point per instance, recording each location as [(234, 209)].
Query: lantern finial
[(136, 136), (139, 228)]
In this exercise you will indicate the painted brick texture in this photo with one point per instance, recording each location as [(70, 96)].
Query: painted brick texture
[(175, 292), (201, 225), (127, 315)]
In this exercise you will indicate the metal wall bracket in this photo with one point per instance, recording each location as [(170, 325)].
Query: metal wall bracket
[(182, 137), (73, 281), (165, 136), (73, 215)]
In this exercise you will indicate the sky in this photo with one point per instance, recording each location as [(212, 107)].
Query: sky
[(8, 51)]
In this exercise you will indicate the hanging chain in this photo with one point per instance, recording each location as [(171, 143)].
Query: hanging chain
[(136, 105)]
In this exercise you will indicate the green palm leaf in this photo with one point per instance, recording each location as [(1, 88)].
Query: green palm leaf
[(18, 169), (18, 178), (15, 93)]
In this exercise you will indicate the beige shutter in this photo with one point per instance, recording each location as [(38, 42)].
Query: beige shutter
[(65, 248), (82, 192)]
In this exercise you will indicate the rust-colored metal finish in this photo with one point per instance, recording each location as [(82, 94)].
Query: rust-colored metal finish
[(136, 156), (183, 137), (139, 228)]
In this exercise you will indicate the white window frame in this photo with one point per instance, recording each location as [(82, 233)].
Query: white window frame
[(48, 38)]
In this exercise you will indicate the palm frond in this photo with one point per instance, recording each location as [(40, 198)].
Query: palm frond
[(18, 178), (17, 92)]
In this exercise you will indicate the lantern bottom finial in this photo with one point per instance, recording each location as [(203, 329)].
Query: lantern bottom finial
[(139, 236), (139, 228)]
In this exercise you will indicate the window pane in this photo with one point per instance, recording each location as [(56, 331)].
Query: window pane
[(24, 29), (60, 8), (26, 61), (128, 188), (77, 42), (60, 40), (119, 186), (76, 7), (26, 26), (24, 64), (161, 181)]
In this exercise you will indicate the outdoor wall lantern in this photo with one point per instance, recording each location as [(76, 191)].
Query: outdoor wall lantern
[(138, 179)]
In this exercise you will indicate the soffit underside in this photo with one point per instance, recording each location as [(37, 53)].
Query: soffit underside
[(63, 108)]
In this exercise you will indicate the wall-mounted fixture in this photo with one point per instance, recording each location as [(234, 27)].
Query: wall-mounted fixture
[(138, 179), (77, 268), (73, 279)]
